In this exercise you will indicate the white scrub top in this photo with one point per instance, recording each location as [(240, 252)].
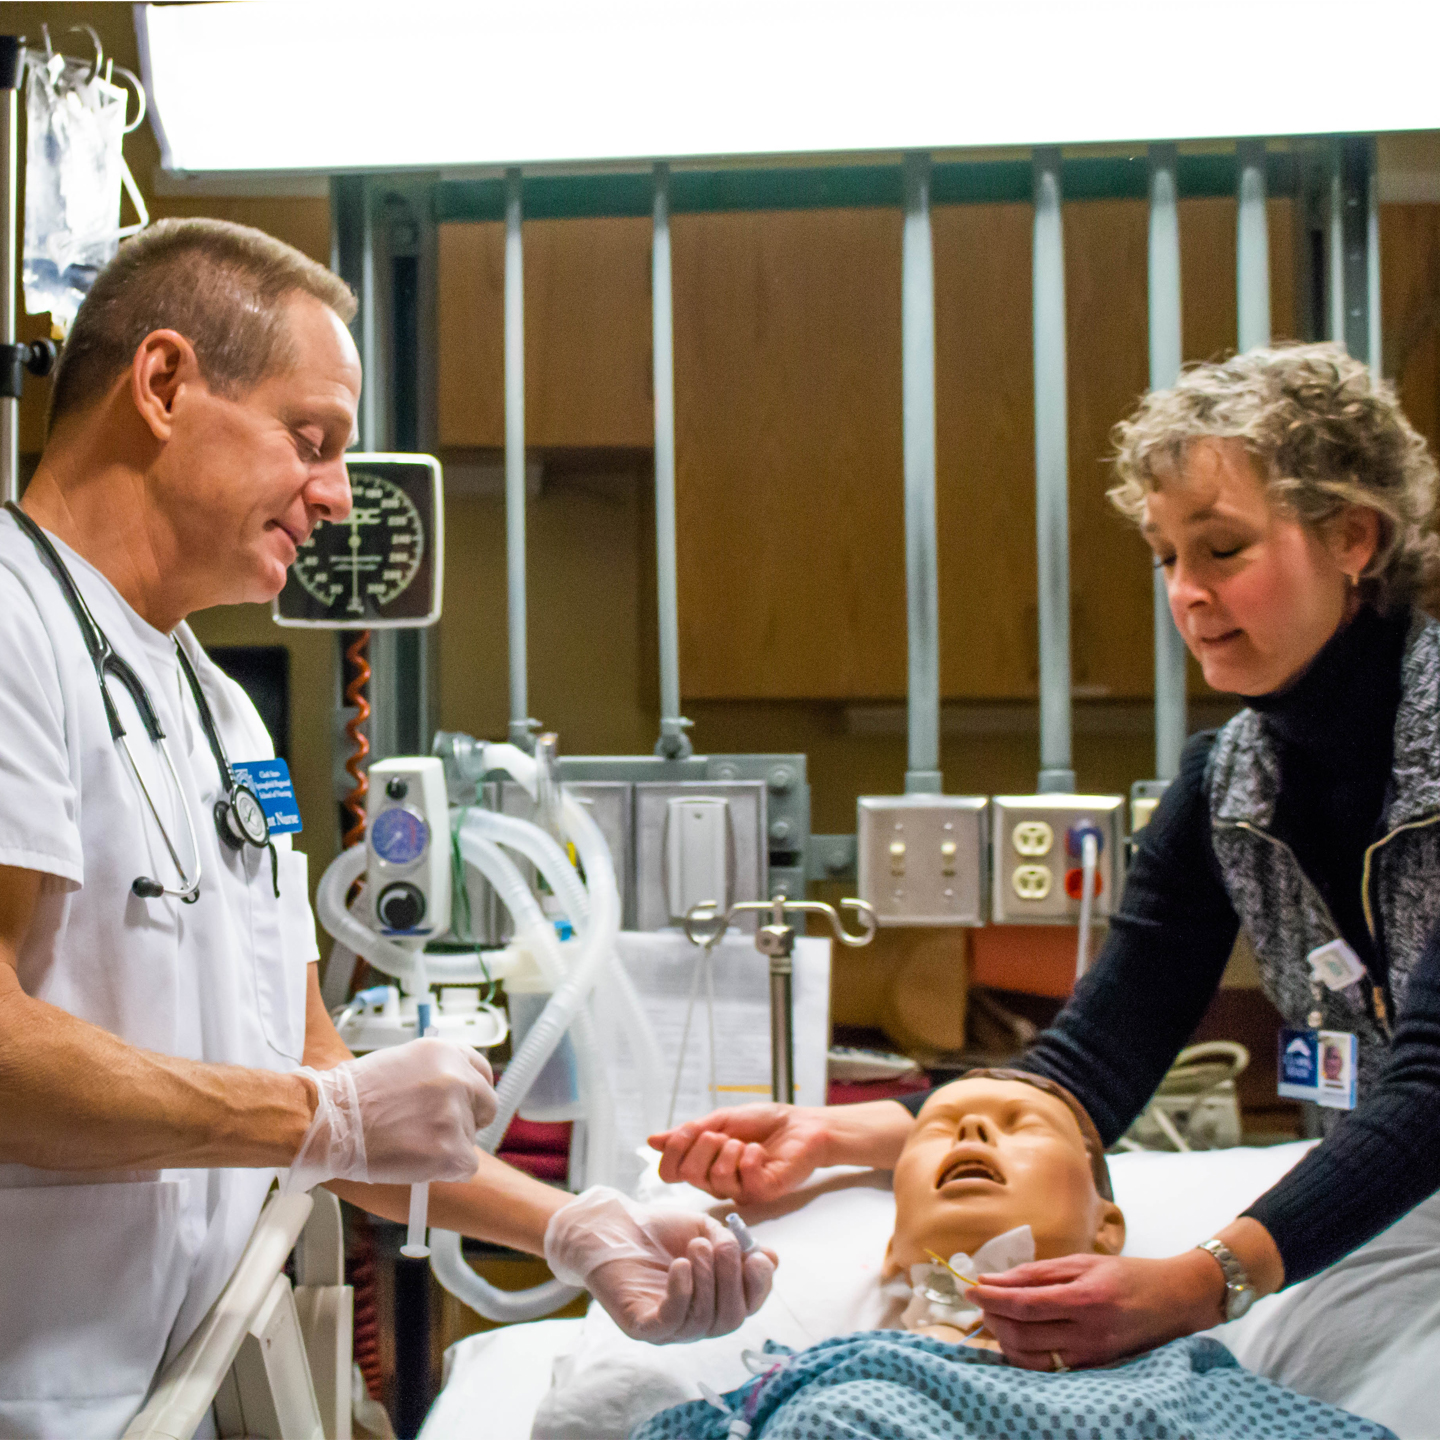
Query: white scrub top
[(104, 1274)]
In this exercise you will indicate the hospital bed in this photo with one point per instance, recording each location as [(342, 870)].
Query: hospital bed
[(1364, 1335), (270, 1358)]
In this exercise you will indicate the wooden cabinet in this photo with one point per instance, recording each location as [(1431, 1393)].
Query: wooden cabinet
[(587, 334), (788, 416)]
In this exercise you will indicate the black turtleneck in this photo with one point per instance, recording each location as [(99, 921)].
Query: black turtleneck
[(1334, 731), (1168, 945)]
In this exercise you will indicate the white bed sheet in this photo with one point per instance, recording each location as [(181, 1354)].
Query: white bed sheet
[(1364, 1335)]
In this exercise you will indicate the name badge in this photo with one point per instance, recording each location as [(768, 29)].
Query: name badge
[(1335, 965), (270, 780), (1319, 1066)]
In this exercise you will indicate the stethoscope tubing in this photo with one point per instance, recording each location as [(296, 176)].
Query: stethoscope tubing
[(108, 663)]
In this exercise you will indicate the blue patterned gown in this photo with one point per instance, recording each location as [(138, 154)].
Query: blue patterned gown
[(892, 1385)]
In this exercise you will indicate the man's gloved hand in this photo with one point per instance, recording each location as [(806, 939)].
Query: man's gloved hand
[(664, 1275), (396, 1116)]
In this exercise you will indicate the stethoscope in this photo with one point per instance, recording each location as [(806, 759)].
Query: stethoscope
[(239, 816)]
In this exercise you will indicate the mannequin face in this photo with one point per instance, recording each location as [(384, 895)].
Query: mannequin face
[(986, 1156)]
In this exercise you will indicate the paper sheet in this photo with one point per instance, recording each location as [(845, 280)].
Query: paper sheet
[(663, 966)]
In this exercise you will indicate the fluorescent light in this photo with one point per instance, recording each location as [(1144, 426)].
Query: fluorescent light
[(359, 86)]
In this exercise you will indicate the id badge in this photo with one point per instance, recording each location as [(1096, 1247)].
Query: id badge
[(1319, 1066), (270, 780), (1336, 965)]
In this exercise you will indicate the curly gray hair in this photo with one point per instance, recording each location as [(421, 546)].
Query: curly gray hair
[(1322, 432)]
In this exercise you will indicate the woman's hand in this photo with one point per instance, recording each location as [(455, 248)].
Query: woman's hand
[(1091, 1309), (747, 1153), (756, 1153)]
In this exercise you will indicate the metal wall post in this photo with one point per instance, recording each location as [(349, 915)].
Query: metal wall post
[(1165, 356), (522, 727), (674, 743), (1052, 502), (1355, 250), (9, 246), (1252, 247), (917, 311)]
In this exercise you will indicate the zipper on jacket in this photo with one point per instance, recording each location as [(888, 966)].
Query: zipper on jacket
[(1381, 996)]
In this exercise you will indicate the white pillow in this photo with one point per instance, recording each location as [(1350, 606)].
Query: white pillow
[(1320, 1338)]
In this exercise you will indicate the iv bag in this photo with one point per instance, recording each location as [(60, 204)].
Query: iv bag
[(74, 169)]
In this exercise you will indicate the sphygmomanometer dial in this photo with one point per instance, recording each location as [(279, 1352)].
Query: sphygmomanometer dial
[(382, 565), (368, 558)]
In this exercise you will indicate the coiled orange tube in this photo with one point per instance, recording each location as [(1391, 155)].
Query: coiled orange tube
[(360, 746)]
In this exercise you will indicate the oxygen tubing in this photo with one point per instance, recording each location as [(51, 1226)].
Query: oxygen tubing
[(565, 1011), (446, 1257), (560, 875)]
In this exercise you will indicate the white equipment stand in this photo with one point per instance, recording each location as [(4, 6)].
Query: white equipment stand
[(274, 1362)]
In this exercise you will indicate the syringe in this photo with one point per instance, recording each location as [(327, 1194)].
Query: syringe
[(741, 1231), (415, 1247)]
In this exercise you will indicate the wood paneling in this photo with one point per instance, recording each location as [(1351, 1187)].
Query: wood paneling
[(787, 378), (985, 449), (1410, 305), (587, 334)]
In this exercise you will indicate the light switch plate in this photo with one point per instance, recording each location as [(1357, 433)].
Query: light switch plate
[(1032, 859), (921, 858)]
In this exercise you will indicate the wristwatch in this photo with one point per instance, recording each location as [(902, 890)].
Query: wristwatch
[(1239, 1292)]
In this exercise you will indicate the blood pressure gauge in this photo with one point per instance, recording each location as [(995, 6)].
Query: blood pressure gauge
[(383, 565)]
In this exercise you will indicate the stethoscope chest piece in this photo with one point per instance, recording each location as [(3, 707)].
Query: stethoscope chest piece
[(240, 819)]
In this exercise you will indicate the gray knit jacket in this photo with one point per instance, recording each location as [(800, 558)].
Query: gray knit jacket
[(1280, 909)]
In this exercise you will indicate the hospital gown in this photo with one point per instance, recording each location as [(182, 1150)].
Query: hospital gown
[(890, 1385)]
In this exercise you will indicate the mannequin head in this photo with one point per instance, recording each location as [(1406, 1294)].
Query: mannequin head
[(995, 1150)]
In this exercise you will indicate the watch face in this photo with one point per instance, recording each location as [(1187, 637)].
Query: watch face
[(249, 816), (1238, 1300)]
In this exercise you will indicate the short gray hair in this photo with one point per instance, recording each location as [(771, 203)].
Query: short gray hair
[(1322, 432), (222, 286)]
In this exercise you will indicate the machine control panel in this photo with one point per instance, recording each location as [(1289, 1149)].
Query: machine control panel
[(1039, 847), (921, 858), (407, 836)]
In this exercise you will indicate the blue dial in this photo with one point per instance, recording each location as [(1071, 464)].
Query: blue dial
[(399, 836)]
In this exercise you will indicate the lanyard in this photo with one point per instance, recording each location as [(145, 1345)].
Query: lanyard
[(239, 816)]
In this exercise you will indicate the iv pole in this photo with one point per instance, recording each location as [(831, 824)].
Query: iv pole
[(15, 359), (11, 373)]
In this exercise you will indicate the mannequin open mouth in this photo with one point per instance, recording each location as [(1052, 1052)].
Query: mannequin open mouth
[(970, 1168)]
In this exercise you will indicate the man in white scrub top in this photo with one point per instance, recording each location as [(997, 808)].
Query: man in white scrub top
[(152, 1035)]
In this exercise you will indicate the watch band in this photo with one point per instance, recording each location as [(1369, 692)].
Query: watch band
[(1239, 1291)]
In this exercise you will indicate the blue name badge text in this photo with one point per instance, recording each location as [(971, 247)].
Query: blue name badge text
[(270, 780)]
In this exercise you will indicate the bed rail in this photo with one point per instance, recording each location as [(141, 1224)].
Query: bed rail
[(274, 1362)]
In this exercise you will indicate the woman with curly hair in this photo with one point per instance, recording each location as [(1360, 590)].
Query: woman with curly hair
[(1288, 502)]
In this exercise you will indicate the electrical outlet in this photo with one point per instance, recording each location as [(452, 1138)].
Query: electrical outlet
[(1037, 857), (922, 858)]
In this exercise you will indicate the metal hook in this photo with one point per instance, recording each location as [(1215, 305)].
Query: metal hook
[(707, 913), (99, 59)]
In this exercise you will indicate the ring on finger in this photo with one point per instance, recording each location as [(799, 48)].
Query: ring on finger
[(1057, 1364)]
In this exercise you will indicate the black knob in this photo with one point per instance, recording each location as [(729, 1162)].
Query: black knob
[(397, 787), (400, 907)]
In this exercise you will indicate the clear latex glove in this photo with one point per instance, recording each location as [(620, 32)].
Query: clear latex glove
[(396, 1116), (664, 1275)]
